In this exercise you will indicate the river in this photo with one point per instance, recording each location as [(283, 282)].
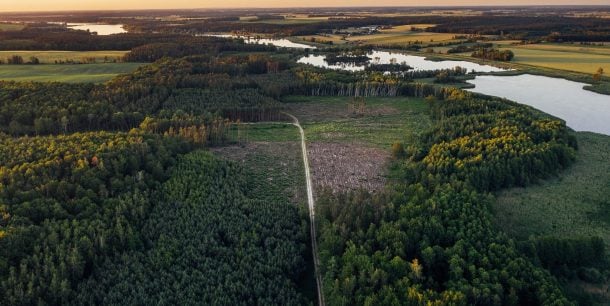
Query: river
[(582, 110)]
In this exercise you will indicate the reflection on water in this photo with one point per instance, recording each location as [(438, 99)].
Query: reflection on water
[(383, 57), (101, 29), (283, 43), (582, 110)]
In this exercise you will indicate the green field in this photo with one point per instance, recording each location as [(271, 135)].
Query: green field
[(11, 26), (574, 204), (93, 73), (561, 58), (403, 38), (386, 120), (407, 28), (50, 57)]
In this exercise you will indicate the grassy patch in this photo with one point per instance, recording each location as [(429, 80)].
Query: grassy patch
[(11, 26), (578, 61), (386, 119), (403, 38), (93, 73), (274, 132), (50, 57), (408, 28), (575, 204)]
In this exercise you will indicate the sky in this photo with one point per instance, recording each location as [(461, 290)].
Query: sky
[(55, 5)]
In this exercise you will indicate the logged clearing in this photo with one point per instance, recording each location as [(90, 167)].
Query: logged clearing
[(83, 73), (575, 204), (345, 167), (51, 57), (384, 121)]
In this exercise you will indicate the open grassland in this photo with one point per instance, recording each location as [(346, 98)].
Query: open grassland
[(568, 57), (265, 132), (575, 48), (385, 121), (51, 57), (85, 73), (403, 38), (408, 28), (575, 204), (11, 26), (571, 57)]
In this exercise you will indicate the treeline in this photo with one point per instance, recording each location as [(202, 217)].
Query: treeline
[(526, 27), (494, 54), (160, 89), (18, 60), (44, 37), (429, 239), (469, 48), (155, 51)]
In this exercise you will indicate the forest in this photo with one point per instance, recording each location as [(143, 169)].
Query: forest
[(111, 193), (430, 238)]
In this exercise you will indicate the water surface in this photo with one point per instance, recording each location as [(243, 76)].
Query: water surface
[(383, 57), (101, 29), (280, 42), (582, 110)]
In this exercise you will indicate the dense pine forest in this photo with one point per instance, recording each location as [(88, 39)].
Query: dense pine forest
[(110, 194)]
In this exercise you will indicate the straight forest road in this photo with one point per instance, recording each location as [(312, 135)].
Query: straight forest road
[(312, 212)]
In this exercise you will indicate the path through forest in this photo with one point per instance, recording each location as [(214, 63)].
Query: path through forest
[(312, 213)]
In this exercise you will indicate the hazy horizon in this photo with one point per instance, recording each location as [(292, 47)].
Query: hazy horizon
[(70, 5)]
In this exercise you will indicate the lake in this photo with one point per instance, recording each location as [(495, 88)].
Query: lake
[(101, 29), (280, 42), (582, 110), (383, 57)]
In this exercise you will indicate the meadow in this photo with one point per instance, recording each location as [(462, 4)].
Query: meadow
[(11, 26), (573, 205), (83, 73), (50, 57), (398, 38), (385, 121), (564, 57)]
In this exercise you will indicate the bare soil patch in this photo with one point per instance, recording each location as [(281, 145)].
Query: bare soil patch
[(345, 167)]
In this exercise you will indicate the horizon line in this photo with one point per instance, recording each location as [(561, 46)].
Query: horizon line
[(303, 7)]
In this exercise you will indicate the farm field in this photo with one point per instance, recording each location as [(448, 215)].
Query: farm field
[(83, 73), (403, 38), (575, 204), (50, 57), (11, 26), (585, 60), (408, 28)]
